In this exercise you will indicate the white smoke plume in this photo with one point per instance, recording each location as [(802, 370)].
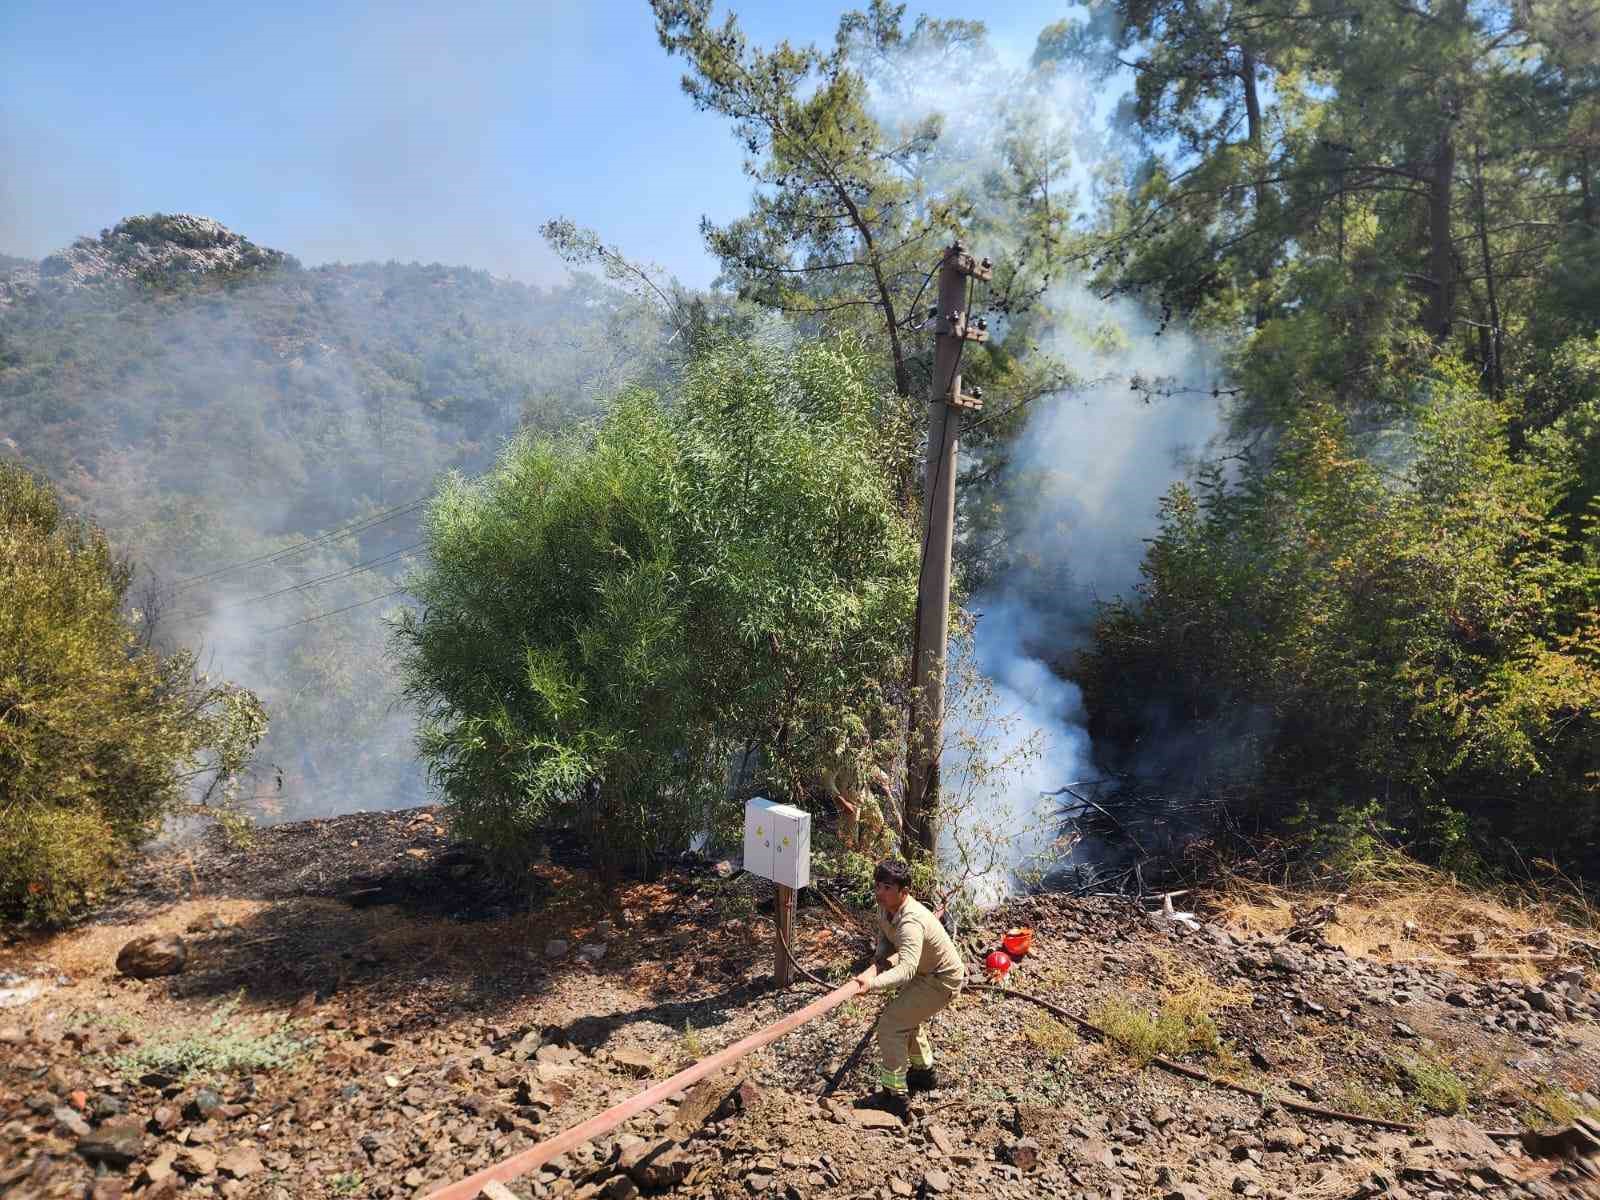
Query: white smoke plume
[(1083, 495), (1087, 474)]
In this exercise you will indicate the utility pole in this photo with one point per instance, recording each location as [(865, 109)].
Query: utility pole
[(783, 910), (946, 403)]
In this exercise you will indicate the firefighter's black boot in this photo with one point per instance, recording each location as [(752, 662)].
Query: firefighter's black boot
[(921, 1079)]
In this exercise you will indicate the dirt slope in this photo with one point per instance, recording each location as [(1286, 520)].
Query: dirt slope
[(361, 1014)]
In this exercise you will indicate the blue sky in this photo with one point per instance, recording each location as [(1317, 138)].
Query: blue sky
[(354, 131)]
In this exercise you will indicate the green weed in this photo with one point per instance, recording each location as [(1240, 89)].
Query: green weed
[(1049, 1036), (1140, 1034), (114, 1022), (1356, 1096), (1549, 1105), (226, 1045), (1432, 1082), (694, 1042)]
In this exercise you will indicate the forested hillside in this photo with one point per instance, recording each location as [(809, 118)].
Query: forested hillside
[(1386, 593), (1360, 240), (216, 407), (1369, 612)]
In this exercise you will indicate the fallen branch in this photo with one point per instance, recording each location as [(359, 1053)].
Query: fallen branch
[(1088, 803), (1178, 1068), (1485, 957)]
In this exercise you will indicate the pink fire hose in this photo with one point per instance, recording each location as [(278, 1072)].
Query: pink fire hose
[(536, 1156)]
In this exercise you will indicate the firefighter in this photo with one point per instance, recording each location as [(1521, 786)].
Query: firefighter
[(915, 955)]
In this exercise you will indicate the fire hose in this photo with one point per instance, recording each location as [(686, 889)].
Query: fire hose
[(570, 1139), (1178, 1068)]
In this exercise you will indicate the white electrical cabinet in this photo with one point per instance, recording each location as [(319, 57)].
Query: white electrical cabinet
[(777, 842)]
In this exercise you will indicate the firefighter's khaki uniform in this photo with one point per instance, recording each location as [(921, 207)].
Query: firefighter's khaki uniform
[(927, 970)]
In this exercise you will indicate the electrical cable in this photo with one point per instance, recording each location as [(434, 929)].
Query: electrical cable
[(342, 573), (1006, 412), (1167, 394), (911, 309), (360, 525), (1178, 1068), (795, 962), (1161, 1061), (334, 613), (788, 949)]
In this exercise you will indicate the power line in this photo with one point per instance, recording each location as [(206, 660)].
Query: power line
[(1166, 393), (342, 573), (1006, 412), (333, 613), (360, 525)]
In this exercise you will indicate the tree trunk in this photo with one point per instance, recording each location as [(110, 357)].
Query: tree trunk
[(1495, 342), (902, 375), (1441, 255), (1252, 101), (1252, 109), (1587, 185)]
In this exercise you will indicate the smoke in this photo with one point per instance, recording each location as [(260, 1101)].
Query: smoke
[(1082, 487), (215, 433), (268, 436), (1082, 494)]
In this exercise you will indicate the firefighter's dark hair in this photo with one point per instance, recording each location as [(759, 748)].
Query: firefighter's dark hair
[(893, 870)]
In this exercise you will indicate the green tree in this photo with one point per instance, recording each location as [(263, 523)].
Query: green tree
[(100, 738), (842, 221), (1397, 618), (607, 618), (1394, 180), (864, 171)]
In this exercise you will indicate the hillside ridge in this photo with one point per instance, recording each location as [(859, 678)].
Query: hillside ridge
[(153, 248)]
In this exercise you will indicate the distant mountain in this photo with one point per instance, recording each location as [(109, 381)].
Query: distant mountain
[(172, 357), (210, 401), (160, 249)]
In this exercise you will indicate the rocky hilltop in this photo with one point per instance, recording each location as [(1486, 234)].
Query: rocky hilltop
[(153, 249)]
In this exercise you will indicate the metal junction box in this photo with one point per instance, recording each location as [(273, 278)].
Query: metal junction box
[(777, 842)]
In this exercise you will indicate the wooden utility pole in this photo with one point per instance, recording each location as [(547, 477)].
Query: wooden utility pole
[(783, 910), (945, 406)]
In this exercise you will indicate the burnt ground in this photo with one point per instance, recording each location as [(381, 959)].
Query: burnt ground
[(364, 1011)]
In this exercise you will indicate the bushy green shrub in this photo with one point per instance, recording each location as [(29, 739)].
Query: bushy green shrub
[(51, 857), (1411, 619), (99, 736), (607, 618)]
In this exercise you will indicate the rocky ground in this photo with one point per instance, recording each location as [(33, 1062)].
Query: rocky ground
[(355, 1011)]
